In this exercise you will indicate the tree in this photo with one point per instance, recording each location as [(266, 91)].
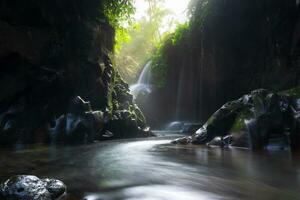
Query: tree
[(136, 46)]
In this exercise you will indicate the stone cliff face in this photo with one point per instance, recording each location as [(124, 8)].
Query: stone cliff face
[(232, 47), (51, 51)]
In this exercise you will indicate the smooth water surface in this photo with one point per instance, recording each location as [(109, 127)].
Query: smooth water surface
[(153, 169)]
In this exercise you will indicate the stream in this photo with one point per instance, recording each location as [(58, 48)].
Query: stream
[(153, 169)]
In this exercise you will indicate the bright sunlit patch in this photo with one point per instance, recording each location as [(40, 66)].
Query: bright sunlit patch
[(154, 192), (179, 7), (178, 11)]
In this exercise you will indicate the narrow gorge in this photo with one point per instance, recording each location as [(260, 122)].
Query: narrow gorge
[(149, 99)]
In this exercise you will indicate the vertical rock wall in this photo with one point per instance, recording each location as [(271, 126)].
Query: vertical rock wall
[(233, 47), (51, 51)]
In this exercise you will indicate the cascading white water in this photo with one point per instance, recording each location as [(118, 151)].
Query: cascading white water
[(143, 84)]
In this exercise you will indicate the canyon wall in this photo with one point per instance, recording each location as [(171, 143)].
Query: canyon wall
[(50, 52), (231, 48)]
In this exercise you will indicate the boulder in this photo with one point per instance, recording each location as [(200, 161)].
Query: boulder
[(127, 124), (221, 141), (295, 124), (219, 123), (80, 125), (253, 121), (27, 187)]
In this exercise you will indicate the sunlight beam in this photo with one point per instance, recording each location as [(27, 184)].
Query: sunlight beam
[(178, 9)]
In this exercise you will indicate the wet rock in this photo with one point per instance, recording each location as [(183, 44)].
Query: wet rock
[(126, 124), (108, 134), (79, 106), (27, 187), (295, 124), (70, 128), (80, 125), (221, 141), (253, 121), (78, 129), (8, 130), (55, 187), (122, 93), (218, 124), (183, 140)]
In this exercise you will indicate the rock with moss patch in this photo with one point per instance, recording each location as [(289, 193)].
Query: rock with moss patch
[(219, 123), (125, 124), (253, 121)]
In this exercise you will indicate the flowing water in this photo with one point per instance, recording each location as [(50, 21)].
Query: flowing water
[(153, 169), (143, 84)]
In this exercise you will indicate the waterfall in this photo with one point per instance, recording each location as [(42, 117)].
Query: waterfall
[(143, 83)]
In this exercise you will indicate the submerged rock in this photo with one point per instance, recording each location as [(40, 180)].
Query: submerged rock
[(27, 187), (252, 121)]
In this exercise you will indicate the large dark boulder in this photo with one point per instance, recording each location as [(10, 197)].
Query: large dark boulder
[(124, 119), (294, 117), (79, 125), (25, 187), (127, 124), (253, 121)]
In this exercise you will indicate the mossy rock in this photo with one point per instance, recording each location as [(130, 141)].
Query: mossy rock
[(219, 123), (293, 92), (239, 129), (250, 121)]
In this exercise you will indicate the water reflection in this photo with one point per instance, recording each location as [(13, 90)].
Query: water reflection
[(155, 169), (154, 192)]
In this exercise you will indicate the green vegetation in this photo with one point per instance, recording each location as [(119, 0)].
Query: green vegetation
[(293, 92), (239, 123), (159, 57), (179, 40), (135, 45), (118, 11), (181, 31), (119, 14), (137, 42)]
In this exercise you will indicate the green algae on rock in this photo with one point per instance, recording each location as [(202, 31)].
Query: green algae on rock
[(252, 121)]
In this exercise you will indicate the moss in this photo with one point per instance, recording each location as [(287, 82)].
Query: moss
[(180, 33), (119, 100), (180, 39), (160, 64), (239, 122), (293, 92), (159, 70)]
